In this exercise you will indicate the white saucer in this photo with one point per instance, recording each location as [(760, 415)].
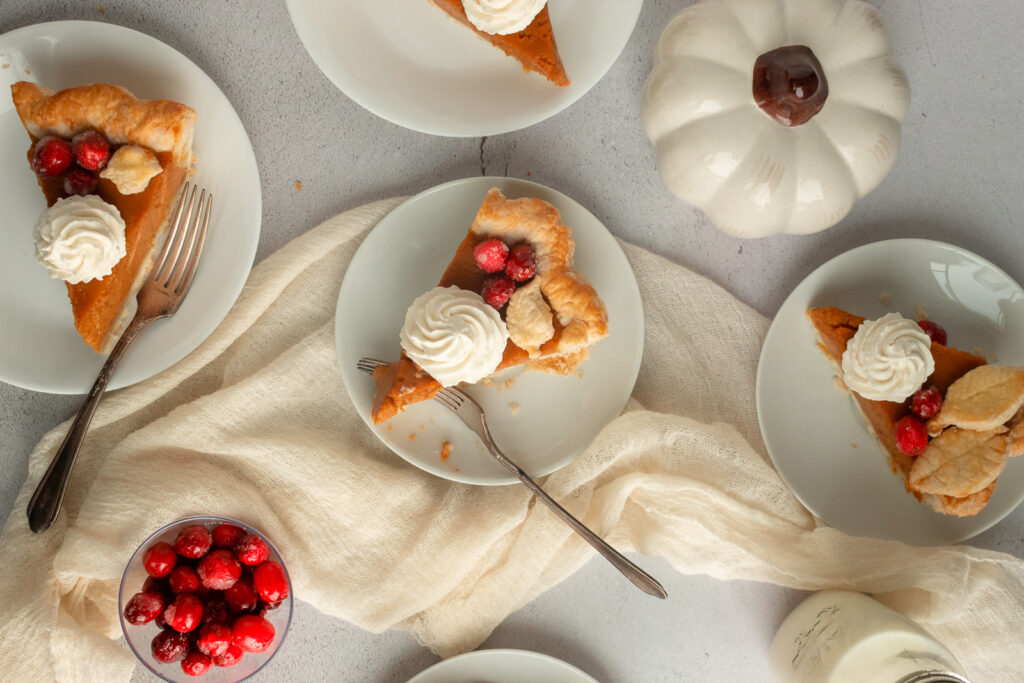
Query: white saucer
[(502, 666), (812, 430), (39, 347), (403, 257), (408, 62)]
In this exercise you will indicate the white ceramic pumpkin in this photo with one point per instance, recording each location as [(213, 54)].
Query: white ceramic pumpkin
[(760, 169)]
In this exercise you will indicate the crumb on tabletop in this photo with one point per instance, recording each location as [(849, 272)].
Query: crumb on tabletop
[(103, 9), (884, 298), (298, 186), (513, 407)]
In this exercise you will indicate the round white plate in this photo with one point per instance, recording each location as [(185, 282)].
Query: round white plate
[(410, 63), (403, 257), (812, 429), (39, 347), (502, 666)]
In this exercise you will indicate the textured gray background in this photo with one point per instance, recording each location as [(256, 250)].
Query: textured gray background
[(957, 180)]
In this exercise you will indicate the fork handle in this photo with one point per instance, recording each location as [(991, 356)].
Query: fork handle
[(45, 502)]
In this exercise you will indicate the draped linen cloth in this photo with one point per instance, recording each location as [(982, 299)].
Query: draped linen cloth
[(256, 424)]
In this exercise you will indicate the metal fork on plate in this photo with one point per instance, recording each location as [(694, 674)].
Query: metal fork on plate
[(472, 415), (159, 297)]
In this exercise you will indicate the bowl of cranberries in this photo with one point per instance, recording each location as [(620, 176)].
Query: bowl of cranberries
[(205, 597)]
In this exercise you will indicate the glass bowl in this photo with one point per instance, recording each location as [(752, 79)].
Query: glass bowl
[(140, 637)]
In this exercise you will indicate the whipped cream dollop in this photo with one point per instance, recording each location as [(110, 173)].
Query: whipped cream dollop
[(502, 17), (80, 239), (888, 359), (454, 335)]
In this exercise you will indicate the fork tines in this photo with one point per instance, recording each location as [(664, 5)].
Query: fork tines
[(368, 364), (179, 258)]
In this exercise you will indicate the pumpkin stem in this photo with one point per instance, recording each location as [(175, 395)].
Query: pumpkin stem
[(789, 84)]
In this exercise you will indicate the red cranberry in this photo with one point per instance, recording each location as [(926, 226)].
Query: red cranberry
[(169, 646), (78, 182), (497, 290), (219, 570), (252, 549), (227, 535), (926, 403), (51, 157), (183, 580), (196, 663), (159, 559), (230, 657), (91, 150), (144, 607), (491, 255), (522, 264), (934, 331), (160, 621), (193, 542), (911, 435), (214, 639), (252, 633), (242, 596), (216, 610), (270, 582), (185, 613), (161, 586)]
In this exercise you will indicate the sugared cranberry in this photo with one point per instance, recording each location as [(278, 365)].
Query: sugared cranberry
[(252, 549), (144, 607), (214, 639), (491, 255), (169, 646), (159, 559), (196, 663), (242, 596), (91, 150), (219, 570), (227, 535), (51, 157), (497, 290), (252, 633), (185, 613), (926, 403), (193, 542), (935, 331), (159, 585), (270, 582), (216, 610), (79, 182), (522, 264), (230, 657), (911, 435), (183, 580)]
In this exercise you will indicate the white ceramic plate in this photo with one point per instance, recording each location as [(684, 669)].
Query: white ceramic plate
[(502, 666), (39, 347), (410, 63), (403, 257), (813, 431)]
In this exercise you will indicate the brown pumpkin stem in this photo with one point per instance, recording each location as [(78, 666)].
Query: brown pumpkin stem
[(789, 84)]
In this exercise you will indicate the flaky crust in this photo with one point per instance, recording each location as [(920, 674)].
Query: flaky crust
[(159, 125), (575, 304)]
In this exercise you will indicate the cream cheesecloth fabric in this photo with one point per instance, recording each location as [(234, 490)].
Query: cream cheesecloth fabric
[(259, 415)]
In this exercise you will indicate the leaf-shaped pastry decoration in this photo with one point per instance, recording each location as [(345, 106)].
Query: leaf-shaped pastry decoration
[(983, 399), (1016, 425), (960, 462), (965, 506)]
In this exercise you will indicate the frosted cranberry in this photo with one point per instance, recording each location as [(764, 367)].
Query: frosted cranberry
[(161, 586), (51, 156), (926, 403), (935, 331), (144, 607), (196, 663), (79, 183), (491, 255), (159, 559), (216, 610), (252, 549), (219, 570), (911, 435), (270, 582), (497, 290), (227, 535), (91, 150), (169, 646), (183, 580), (160, 621), (252, 633), (230, 657), (214, 639), (193, 542), (522, 264), (185, 613), (242, 596)]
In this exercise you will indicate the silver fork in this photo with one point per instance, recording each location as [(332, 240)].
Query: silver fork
[(159, 297), (472, 415)]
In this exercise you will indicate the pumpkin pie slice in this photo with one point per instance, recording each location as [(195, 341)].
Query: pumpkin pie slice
[(101, 307), (835, 328), (534, 47), (576, 317)]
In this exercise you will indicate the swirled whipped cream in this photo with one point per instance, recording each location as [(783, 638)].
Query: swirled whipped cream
[(888, 359), (454, 335), (502, 17), (80, 239)]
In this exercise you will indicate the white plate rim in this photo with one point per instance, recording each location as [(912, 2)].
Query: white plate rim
[(484, 655)]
